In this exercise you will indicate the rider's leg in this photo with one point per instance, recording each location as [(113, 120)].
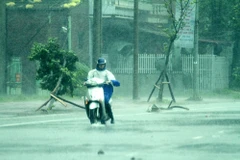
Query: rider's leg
[(109, 111), (103, 114)]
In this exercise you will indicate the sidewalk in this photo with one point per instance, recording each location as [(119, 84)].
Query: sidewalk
[(26, 108), (166, 101)]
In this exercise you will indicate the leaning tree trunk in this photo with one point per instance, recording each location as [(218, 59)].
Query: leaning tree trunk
[(164, 71), (51, 100), (55, 92)]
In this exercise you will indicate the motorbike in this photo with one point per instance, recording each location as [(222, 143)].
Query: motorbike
[(98, 93)]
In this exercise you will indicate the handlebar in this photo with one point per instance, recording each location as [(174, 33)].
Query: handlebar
[(93, 85)]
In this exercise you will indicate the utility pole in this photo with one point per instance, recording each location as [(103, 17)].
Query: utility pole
[(97, 31), (3, 42), (135, 56), (69, 33), (196, 57)]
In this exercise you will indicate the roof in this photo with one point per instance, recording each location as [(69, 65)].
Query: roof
[(215, 41), (125, 24)]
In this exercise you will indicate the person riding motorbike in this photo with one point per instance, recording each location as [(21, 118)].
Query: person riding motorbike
[(101, 72)]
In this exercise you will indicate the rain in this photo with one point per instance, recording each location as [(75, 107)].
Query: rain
[(176, 61)]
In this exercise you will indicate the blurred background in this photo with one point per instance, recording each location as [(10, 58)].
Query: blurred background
[(24, 22)]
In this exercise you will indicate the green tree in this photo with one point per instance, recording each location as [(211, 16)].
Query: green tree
[(59, 70), (235, 25), (175, 25), (220, 21)]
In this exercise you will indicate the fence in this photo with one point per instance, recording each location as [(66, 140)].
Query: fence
[(147, 64), (213, 70), (14, 76)]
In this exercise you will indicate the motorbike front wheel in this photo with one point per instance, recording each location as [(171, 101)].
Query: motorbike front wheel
[(93, 115)]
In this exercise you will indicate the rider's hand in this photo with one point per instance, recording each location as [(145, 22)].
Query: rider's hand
[(108, 82)]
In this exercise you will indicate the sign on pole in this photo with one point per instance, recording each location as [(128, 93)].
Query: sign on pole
[(185, 36)]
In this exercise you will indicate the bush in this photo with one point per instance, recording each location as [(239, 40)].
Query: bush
[(235, 84)]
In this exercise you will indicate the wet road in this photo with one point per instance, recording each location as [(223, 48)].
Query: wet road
[(209, 131)]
